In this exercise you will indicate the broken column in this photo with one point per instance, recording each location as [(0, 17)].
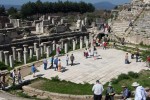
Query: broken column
[(35, 46), (6, 57), (14, 52), (1, 56), (37, 53), (47, 51), (81, 42), (11, 61), (25, 57), (74, 44), (31, 51), (19, 54), (66, 47)]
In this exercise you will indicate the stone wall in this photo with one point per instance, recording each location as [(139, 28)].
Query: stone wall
[(57, 96)]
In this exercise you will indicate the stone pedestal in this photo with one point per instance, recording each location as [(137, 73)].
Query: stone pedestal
[(25, 57), (25, 48), (14, 52), (74, 45), (35, 46), (37, 54), (66, 47), (41, 49), (54, 45), (6, 55), (19, 54), (1, 56), (47, 51), (11, 61), (31, 51), (81, 42)]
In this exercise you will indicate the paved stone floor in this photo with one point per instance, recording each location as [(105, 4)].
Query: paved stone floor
[(109, 64)]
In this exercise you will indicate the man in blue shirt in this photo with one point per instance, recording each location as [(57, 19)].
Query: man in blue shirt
[(56, 63), (125, 93), (33, 70)]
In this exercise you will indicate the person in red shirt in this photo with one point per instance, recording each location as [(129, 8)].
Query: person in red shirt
[(105, 44), (148, 61)]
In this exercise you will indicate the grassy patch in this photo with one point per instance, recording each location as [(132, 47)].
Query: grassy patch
[(128, 79), (64, 87)]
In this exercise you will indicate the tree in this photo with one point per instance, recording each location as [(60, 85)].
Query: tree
[(2, 10), (12, 11)]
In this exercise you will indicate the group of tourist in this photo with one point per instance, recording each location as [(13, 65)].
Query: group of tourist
[(89, 53), (16, 75), (140, 92)]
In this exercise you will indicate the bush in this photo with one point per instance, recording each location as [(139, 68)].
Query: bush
[(122, 77), (3, 66), (133, 75), (56, 78), (114, 81)]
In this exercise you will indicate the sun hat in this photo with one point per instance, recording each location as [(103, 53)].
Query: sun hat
[(135, 84), (109, 84)]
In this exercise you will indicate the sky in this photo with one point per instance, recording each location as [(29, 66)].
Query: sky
[(20, 2)]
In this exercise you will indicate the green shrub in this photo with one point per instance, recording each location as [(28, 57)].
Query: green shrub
[(114, 81), (133, 75), (122, 77), (56, 78), (3, 66)]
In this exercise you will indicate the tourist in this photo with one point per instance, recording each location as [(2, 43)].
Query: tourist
[(126, 93), (137, 55), (104, 45), (140, 93), (52, 60), (45, 63), (33, 70), (14, 76), (126, 59), (89, 52), (132, 54), (114, 45), (67, 60), (19, 76), (86, 53), (59, 65), (56, 63), (148, 61), (110, 92), (72, 59), (97, 89)]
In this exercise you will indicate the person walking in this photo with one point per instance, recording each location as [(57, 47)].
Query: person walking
[(67, 60), (56, 63), (14, 76), (52, 60), (19, 76), (137, 55), (59, 65), (148, 61), (126, 93), (110, 92), (33, 70), (140, 93), (97, 89), (45, 63), (126, 59), (72, 59)]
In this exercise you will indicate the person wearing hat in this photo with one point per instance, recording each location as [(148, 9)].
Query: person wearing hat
[(140, 93), (126, 93), (97, 89), (110, 92)]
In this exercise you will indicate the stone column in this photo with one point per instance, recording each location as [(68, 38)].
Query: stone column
[(44, 45), (19, 54), (74, 45), (11, 61), (35, 46), (25, 47), (47, 51), (14, 52), (41, 49), (85, 38), (87, 44), (25, 57), (62, 44), (54, 45), (31, 51), (37, 53), (1, 56), (66, 47), (6, 57), (81, 42)]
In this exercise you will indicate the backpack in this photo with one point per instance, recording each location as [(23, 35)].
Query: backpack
[(129, 94), (11, 74)]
